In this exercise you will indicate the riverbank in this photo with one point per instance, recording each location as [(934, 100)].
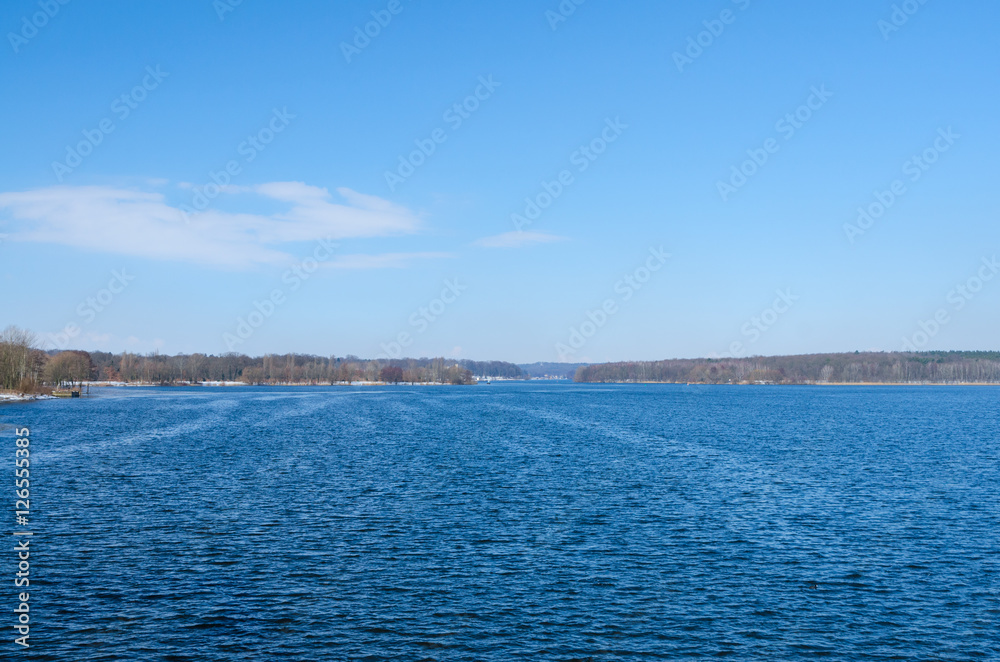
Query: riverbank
[(23, 397), (243, 384), (803, 383)]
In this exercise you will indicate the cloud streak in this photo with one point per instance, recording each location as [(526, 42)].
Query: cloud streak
[(143, 224)]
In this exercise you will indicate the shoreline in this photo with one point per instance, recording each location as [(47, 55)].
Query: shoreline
[(809, 383), (24, 397), (12, 398), (243, 384)]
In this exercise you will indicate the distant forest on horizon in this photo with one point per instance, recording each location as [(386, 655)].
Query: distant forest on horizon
[(293, 368), (27, 369), (855, 367)]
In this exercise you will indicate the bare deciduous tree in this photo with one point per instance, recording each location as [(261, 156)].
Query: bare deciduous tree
[(17, 362)]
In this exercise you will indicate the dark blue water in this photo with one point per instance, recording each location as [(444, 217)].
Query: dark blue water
[(514, 521)]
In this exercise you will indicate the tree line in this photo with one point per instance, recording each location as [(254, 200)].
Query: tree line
[(21, 364), (290, 369), (27, 369), (851, 368)]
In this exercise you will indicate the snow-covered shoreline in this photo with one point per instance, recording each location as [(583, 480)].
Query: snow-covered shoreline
[(21, 397)]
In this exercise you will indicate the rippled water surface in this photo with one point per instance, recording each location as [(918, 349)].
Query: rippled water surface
[(533, 521)]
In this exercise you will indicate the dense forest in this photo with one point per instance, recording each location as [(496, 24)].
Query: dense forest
[(26, 369), (855, 368)]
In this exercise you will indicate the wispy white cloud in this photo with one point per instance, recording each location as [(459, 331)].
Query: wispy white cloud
[(383, 261), (362, 216), (517, 239), (142, 224)]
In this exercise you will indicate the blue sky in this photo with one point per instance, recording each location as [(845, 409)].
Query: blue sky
[(649, 247)]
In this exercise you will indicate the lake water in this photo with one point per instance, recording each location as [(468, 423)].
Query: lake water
[(535, 521)]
